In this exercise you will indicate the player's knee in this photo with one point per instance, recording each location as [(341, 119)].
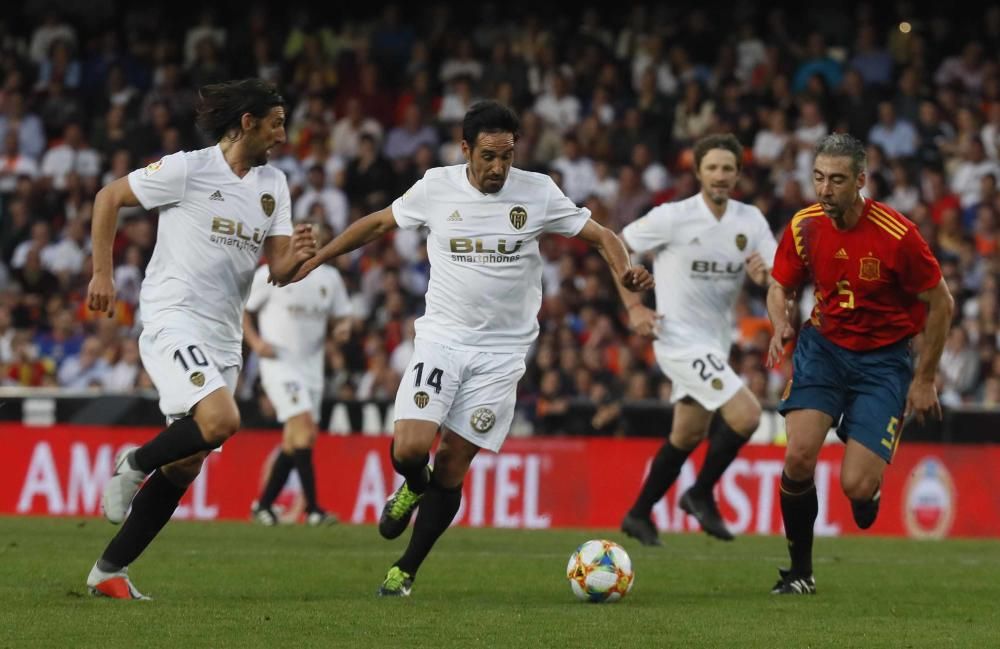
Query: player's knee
[(219, 425), (746, 423), (183, 472), (686, 439), (858, 487), (300, 432), (799, 463), (450, 469), (406, 448)]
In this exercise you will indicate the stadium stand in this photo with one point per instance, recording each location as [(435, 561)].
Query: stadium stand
[(610, 102)]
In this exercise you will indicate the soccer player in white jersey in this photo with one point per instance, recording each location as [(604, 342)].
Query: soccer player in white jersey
[(220, 209), (703, 246), (483, 220), (290, 343)]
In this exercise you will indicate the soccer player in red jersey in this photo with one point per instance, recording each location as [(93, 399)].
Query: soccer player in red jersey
[(877, 285)]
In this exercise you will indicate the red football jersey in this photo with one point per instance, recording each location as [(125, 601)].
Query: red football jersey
[(867, 278)]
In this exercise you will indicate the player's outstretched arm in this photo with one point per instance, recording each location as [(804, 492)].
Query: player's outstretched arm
[(628, 278), (364, 230), (112, 197), (922, 397), (778, 298)]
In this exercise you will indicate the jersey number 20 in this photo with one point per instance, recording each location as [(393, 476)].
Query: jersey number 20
[(702, 368)]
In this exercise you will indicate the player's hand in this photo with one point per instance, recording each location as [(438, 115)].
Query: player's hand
[(342, 331), (304, 242), (306, 268), (922, 400), (101, 294), (757, 269), (643, 320), (776, 350), (265, 350), (637, 278)]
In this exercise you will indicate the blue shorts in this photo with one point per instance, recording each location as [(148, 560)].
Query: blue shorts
[(868, 389)]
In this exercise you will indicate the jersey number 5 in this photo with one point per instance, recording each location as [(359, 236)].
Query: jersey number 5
[(195, 355), (844, 290), (433, 379)]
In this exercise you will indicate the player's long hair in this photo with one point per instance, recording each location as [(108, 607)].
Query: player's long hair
[(221, 106), (489, 117)]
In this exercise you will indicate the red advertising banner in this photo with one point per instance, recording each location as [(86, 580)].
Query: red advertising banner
[(930, 491)]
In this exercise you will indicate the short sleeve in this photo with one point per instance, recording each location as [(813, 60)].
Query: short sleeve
[(918, 269), (282, 226), (411, 209), (789, 270), (652, 231), (259, 289), (563, 216), (160, 183), (340, 304)]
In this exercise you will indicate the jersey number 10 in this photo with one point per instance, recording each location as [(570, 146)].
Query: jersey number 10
[(195, 355)]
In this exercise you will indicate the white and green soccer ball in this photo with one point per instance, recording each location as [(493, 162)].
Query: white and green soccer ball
[(600, 571)]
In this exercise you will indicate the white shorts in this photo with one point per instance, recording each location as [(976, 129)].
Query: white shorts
[(700, 372), (471, 393), (184, 369), (289, 394)]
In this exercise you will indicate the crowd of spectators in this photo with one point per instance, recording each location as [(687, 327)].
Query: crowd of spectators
[(610, 101)]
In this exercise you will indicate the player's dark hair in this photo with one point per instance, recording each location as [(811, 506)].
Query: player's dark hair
[(221, 106), (489, 117), (843, 145), (726, 142)]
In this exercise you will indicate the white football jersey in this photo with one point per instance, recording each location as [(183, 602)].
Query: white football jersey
[(209, 240), (293, 319), (699, 266), (486, 272)]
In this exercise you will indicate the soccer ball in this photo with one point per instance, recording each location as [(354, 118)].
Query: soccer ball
[(600, 571)]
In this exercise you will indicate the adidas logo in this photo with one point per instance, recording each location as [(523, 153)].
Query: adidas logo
[(841, 254), (216, 196), (455, 216)]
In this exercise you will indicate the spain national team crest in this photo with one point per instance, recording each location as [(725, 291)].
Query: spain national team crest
[(929, 500), (267, 204), (869, 269), (741, 241), (482, 420), (198, 379), (421, 399), (518, 217)]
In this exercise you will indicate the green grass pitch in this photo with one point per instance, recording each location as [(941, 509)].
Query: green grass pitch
[(237, 585)]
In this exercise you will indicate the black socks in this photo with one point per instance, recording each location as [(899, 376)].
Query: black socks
[(437, 509), (303, 458), (663, 471), (416, 473), (723, 447), (282, 466), (179, 440), (799, 508), (151, 509)]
